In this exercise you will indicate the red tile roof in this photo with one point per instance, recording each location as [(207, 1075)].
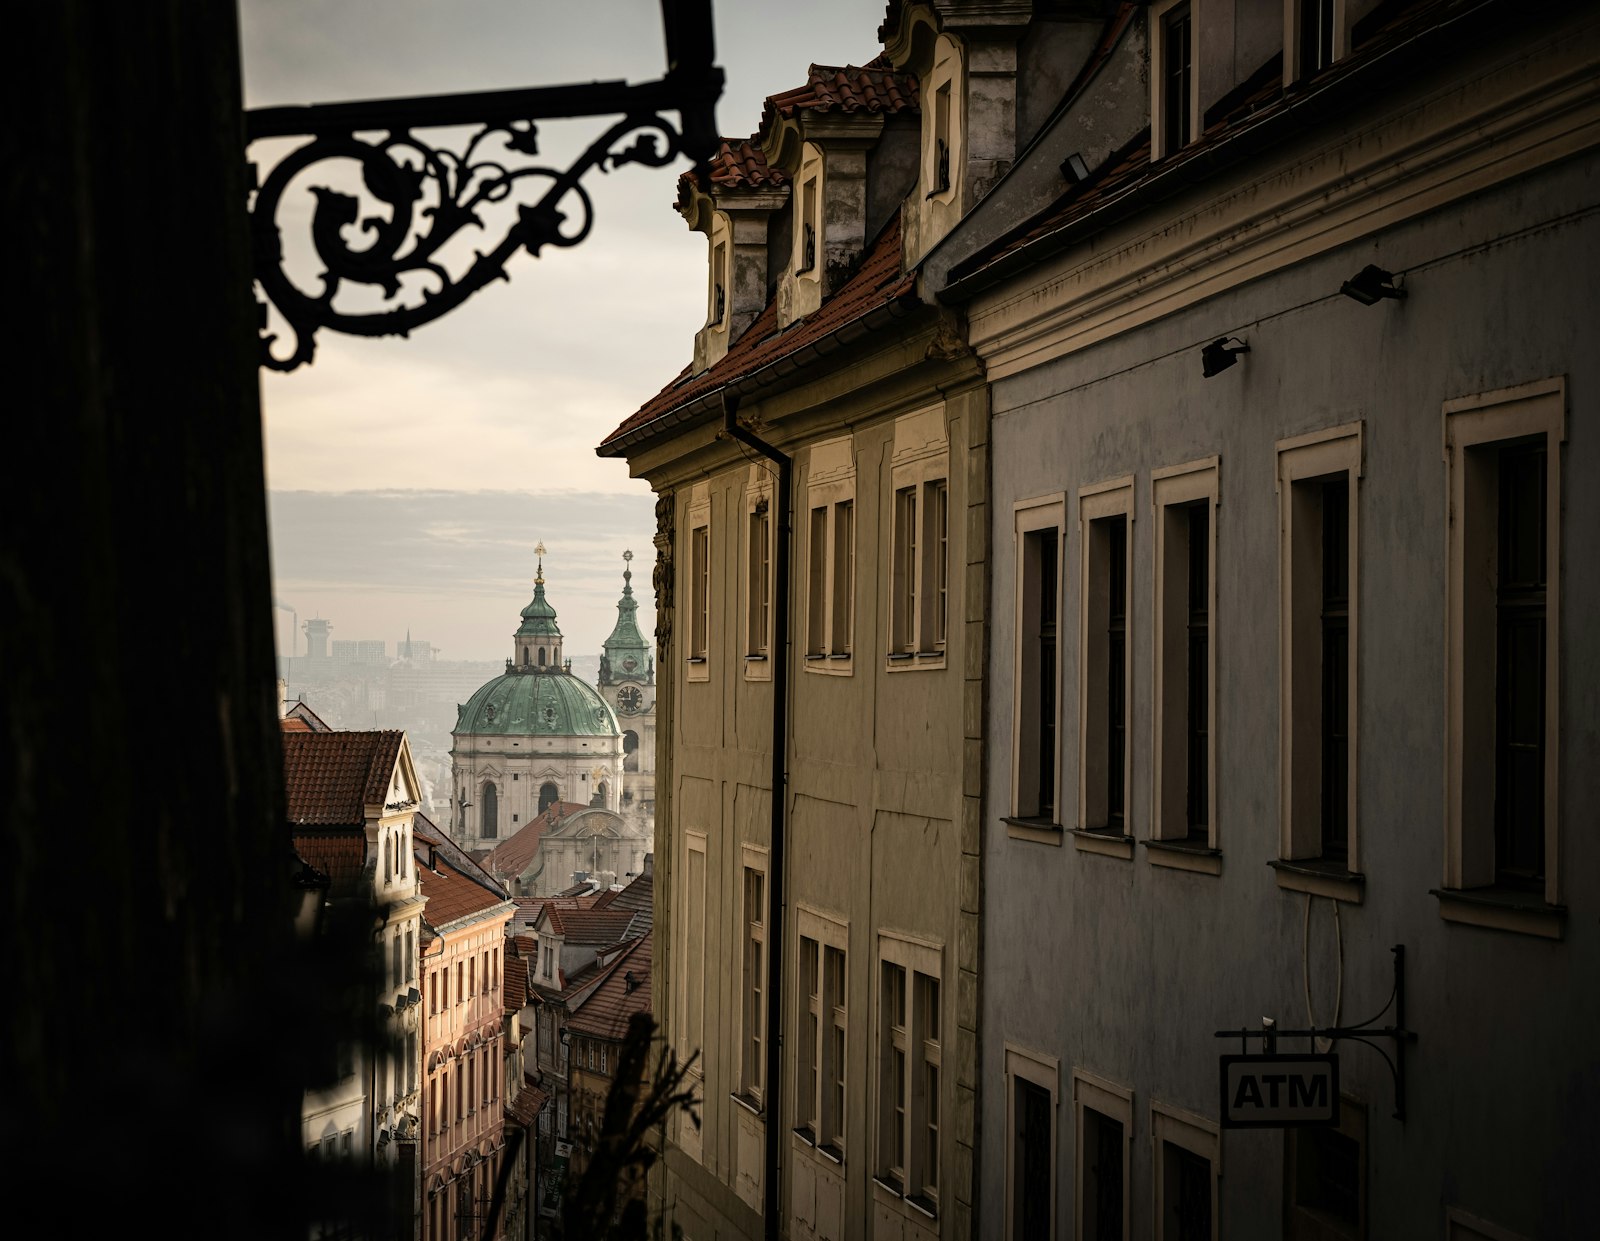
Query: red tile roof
[(525, 1108), (597, 928), (424, 830), (877, 283), (512, 856), (340, 855), (622, 992), (514, 983), (638, 897), (738, 165), (452, 895), (332, 777), (293, 724), (872, 87)]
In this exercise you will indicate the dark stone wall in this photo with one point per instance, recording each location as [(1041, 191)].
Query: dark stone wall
[(146, 864)]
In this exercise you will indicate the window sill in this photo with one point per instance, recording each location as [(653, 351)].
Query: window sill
[(905, 661), (749, 1103), (695, 659), (1502, 909), (1184, 855), (1320, 878), (1041, 831), (1106, 843), (755, 659), (829, 665)]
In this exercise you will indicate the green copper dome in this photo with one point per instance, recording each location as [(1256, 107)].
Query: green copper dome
[(539, 618), (537, 703)]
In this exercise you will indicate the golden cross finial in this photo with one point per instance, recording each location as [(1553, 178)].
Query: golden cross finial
[(538, 578)]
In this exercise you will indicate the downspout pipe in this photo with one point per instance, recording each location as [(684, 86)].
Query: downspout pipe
[(776, 889)]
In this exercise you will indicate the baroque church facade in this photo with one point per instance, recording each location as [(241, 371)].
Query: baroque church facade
[(539, 737)]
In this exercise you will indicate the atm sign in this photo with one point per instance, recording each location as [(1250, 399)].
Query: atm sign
[(1279, 1092)]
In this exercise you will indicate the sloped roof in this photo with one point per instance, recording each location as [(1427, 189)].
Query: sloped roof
[(340, 854), (513, 855), (872, 87), (293, 724), (524, 1109), (877, 283), (452, 894), (514, 983), (737, 165), (623, 991), (597, 928), (638, 898), (332, 777), (302, 714), (1123, 176), (425, 830)]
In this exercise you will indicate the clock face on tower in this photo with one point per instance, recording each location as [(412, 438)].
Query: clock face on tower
[(630, 699)]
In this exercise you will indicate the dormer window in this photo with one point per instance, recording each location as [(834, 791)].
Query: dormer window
[(940, 173), (719, 284), (1172, 81), (1313, 39), (808, 227)]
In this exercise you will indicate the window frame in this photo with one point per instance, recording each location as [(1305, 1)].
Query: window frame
[(691, 1023), (824, 1130), (1194, 1133), (1174, 491), (1470, 891), (918, 960), (1298, 1220), (1303, 462), (830, 579), (1101, 502), (1294, 69), (751, 1090), (917, 602), (1162, 144), (1044, 1071), (1033, 519), (1099, 1094), (697, 558), (761, 522)]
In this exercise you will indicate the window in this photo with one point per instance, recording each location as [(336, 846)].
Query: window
[(1105, 680), (1104, 1118), (461, 988), (822, 1018), (1184, 759), (397, 964), (1187, 1164), (692, 1021), (809, 227), (491, 812), (411, 1061), (411, 955), (1503, 454), (910, 1067), (1036, 719), (831, 557), (699, 589), (1318, 476), (472, 977), (939, 164), (719, 285), (758, 573), (1174, 103), (1325, 1175), (754, 1016), (433, 993), (1314, 37), (1031, 1084), (919, 541)]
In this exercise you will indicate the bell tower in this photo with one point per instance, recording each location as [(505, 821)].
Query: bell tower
[(628, 682), (536, 646)]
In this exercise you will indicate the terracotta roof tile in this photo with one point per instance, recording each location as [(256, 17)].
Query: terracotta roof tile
[(512, 856), (525, 1108), (872, 87), (878, 282), (738, 165), (451, 894), (622, 992), (424, 829), (332, 777), (514, 983), (293, 724), (340, 855), (596, 928)]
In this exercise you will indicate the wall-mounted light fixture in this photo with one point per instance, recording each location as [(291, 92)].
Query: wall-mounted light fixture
[(1219, 355), (1371, 284)]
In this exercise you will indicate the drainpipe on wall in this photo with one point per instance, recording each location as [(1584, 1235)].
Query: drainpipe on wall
[(776, 891)]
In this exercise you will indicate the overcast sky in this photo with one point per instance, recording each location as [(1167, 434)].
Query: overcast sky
[(411, 478)]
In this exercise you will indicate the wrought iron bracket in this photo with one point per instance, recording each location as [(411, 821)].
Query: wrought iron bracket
[(1364, 1033), (430, 194)]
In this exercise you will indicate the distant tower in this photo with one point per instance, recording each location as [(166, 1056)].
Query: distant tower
[(538, 638), (628, 683), (317, 638)]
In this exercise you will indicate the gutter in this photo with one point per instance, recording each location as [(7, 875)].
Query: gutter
[(776, 891), (1300, 110)]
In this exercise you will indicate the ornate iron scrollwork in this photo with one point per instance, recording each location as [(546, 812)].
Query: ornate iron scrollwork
[(440, 192), (429, 195)]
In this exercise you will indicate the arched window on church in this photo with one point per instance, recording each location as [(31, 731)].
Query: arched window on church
[(541, 657), (630, 751), (491, 811), (548, 795), (599, 798)]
